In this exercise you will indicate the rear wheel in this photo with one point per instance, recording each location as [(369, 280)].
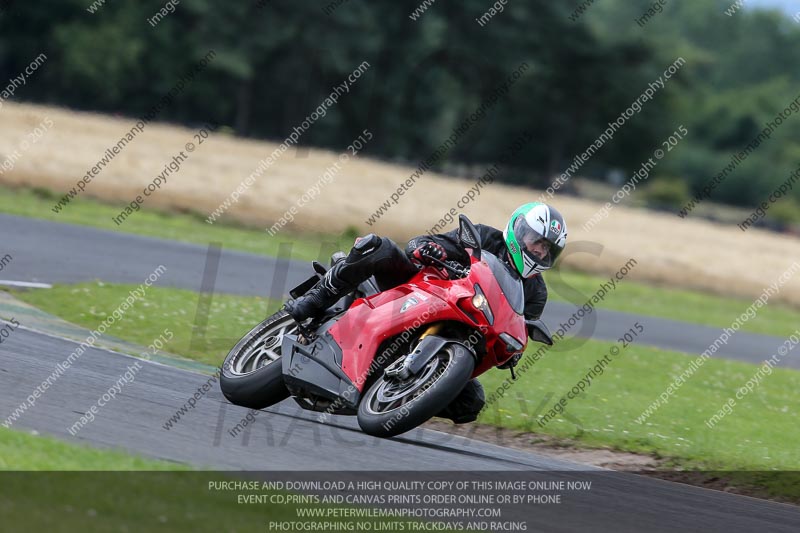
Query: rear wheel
[(252, 374), (392, 406)]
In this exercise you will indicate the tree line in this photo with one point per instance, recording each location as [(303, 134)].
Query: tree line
[(276, 60)]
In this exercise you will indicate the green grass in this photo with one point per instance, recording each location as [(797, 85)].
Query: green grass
[(23, 451), (760, 434), (752, 448), (676, 304), (88, 304), (61, 487), (630, 297)]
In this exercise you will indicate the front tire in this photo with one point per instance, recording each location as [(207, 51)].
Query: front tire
[(392, 406), (252, 374)]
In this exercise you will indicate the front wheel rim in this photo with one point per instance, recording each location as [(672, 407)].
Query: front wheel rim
[(393, 394)]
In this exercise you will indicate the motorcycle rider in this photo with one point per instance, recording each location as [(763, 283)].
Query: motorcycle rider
[(532, 240)]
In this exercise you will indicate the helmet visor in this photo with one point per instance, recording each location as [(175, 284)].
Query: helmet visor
[(534, 246)]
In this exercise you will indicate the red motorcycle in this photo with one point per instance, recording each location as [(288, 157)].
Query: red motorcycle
[(395, 358)]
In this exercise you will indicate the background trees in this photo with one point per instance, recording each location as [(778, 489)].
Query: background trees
[(277, 59)]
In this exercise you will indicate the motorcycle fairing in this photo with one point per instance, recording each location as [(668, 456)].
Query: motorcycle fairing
[(316, 368), (389, 313)]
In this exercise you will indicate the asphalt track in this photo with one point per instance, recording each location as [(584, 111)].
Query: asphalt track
[(50, 252), (285, 438)]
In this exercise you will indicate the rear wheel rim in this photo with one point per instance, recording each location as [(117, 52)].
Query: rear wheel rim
[(392, 393), (263, 348)]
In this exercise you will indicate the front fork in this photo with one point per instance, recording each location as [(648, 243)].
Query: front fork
[(429, 345)]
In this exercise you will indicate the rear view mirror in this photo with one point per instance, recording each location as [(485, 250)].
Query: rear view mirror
[(468, 235), (538, 332)]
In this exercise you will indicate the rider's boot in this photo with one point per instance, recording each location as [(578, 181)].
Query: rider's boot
[(321, 296)]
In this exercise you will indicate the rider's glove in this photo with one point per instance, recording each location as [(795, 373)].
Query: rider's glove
[(428, 250)]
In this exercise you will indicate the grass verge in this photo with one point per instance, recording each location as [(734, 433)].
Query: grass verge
[(755, 436), (22, 451), (754, 443), (86, 489), (88, 304)]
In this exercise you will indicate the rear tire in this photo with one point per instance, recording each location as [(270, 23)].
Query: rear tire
[(391, 406), (252, 374)]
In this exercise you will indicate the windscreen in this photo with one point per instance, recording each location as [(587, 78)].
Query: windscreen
[(509, 282)]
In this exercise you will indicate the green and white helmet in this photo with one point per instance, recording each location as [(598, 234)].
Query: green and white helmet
[(528, 224)]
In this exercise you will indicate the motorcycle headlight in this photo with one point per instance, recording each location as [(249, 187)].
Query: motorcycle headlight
[(479, 301)]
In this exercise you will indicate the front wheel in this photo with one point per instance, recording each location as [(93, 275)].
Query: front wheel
[(252, 374), (392, 406)]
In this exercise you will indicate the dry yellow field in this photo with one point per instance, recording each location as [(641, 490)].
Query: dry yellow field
[(669, 250)]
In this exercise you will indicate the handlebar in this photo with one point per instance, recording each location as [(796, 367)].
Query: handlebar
[(451, 266)]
